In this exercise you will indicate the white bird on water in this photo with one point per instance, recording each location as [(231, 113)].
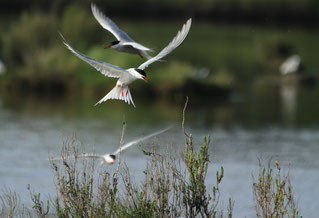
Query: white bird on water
[(110, 158), (124, 43), (126, 76), (290, 65)]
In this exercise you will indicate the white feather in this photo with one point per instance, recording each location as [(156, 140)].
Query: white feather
[(116, 93), (129, 144), (106, 158), (109, 25), (177, 40), (105, 68)]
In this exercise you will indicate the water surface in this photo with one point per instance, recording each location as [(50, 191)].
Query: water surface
[(29, 135)]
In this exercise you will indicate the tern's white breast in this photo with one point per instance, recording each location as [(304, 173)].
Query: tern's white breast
[(108, 159), (128, 77)]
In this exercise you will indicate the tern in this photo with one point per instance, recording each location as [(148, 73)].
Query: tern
[(110, 158), (121, 91), (124, 43), (290, 65)]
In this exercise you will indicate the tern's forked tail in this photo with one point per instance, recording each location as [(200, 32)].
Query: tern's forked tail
[(119, 93)]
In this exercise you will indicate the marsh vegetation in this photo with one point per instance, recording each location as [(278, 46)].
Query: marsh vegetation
[(170, 188)]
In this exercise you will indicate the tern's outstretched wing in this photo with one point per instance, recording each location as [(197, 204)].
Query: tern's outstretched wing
[(177, 40), (109, 25), (139, 140), (105, 68), (95, 156), (138, 46)]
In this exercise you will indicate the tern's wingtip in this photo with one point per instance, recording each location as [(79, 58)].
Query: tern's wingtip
[(60, 33), (167, 128), (62, 36), (93, 6)]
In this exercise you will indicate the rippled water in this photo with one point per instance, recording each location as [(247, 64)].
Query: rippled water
[(29, 133)]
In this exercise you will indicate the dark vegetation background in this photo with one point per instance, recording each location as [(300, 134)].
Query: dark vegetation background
[(230, 43), (277, 11)]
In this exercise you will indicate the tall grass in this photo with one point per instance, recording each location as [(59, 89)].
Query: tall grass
[(170, 188), (273, 193)]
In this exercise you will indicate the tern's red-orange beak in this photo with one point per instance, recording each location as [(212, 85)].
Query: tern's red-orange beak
[(145, 79), (107, 47)]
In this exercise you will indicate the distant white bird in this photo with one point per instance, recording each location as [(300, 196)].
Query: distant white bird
[(124, 43), (290, 65), (122, 91), (2, 68), (111, 157)]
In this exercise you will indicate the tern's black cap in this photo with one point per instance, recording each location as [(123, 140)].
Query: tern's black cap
[(115, 42), (142, 72)]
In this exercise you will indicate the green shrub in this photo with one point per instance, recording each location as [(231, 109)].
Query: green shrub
[(29, 34), (273, 194)]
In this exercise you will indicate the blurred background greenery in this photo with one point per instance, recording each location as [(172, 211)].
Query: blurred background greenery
[(234, 48)]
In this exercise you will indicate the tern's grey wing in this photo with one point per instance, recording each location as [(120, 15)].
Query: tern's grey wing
[(95, 156), (105, 68), (138, 46), (109, 25), (177, 40), (139, 140)]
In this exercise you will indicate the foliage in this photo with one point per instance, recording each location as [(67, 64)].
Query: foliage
[(274, 194), (9, 201), (11, 206), (169, 189), (196, 198), (26, 37), (39, 206), (34, 53), (165, 192)]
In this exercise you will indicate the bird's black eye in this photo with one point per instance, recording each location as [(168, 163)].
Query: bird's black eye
[(113, 156), (142, 72), (115, 42)]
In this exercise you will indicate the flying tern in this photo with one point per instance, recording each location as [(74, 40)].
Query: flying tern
[(110, 158), (124, 43), (121, 91)]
